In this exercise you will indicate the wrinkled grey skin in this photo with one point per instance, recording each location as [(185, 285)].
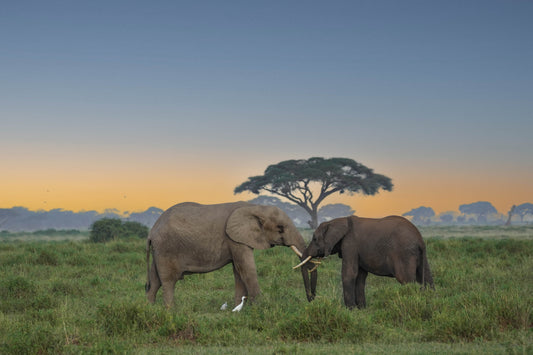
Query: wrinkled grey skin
[(192, 238), (390, 246)]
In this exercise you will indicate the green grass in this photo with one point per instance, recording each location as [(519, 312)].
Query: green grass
[(75, 297)]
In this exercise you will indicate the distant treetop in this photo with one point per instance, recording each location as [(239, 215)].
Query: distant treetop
[(421, 215), (308, 182)]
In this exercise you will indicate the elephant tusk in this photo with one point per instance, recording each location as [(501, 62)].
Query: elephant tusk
[(317, 263), (294, 249), (302, 263), (316, 266)]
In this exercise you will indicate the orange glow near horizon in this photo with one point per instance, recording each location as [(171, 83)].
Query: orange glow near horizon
[(139, 191)]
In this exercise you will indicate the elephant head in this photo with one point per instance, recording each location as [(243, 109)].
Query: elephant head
[(262, 227), (324, 243), (326, 238)]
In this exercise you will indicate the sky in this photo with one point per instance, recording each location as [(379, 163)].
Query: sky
[(132, 104)]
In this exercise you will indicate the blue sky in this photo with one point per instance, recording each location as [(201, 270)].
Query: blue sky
[(133, 96)]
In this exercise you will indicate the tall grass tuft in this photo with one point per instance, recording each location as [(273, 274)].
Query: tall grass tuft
[(19, 294), (120, 318), (37, 338), (326, 320), (405, 306)]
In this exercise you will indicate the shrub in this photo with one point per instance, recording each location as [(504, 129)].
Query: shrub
[(135, 229), (113, 228), (105, 229)]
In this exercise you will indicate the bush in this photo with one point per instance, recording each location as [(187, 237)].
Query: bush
[(135, 229), (113, 228)]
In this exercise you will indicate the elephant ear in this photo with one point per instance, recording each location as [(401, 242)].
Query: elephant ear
[(245, 226), (335, 231)]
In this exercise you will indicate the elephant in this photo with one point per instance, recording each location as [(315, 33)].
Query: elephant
[(193, 238), (390, 246)]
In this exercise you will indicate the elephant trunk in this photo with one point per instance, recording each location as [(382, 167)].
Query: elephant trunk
[(309, 283), (298, 247)]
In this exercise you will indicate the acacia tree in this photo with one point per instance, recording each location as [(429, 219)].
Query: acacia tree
[(308, 182), (521, 210), (421, 215), (482, 209), (510, 215)]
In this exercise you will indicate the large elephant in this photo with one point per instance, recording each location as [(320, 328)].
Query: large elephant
[(192, 238), (390, 246)]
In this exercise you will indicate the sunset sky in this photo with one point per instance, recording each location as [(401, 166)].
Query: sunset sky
[(132, 104)]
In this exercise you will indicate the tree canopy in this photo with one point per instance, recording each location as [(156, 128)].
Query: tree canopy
[(482, 209), (523, 210), (308, 182), (421, 215)]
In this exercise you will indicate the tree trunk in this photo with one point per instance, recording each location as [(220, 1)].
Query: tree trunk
[(313, 223), (508, 223)]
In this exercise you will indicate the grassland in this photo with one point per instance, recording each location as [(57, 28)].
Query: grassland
[(76, 297)]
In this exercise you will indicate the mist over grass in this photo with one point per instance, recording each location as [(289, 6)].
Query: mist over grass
[(75, 297), (46, 235)]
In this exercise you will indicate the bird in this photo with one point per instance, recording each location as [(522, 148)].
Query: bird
[(224, 306), (239, 306)]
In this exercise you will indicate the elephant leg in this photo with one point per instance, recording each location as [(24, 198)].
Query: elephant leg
[(168, 292), (244, 265), (360, 281), (406, 271), (154, 283), (349, 275), (240, 288), (169, 273)]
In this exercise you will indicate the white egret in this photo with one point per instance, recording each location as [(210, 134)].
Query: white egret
[(239, 306), (224, 306)]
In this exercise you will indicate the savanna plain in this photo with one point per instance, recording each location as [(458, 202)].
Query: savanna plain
[(61, 294)]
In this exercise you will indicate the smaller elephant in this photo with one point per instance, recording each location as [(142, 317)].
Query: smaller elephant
[(390, 246)]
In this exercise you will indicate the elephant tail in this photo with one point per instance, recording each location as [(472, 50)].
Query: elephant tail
[(427, 278), (148, 250)]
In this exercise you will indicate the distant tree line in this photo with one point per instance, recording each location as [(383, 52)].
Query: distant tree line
[(480, 213), (18, 219)]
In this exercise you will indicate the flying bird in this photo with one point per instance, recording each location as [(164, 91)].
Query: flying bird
[(224, 306), (239, 306)]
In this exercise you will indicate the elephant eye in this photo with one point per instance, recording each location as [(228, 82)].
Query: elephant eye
[(281, 229)]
